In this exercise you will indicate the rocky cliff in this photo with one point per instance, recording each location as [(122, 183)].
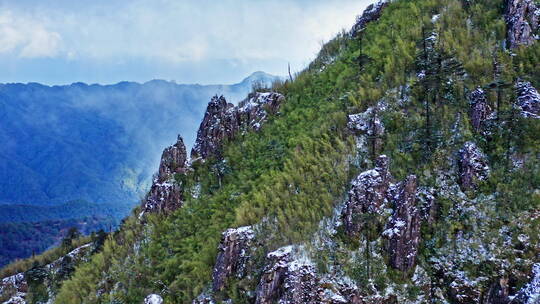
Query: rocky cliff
[(223, 121), (165, 195), (522, 18)]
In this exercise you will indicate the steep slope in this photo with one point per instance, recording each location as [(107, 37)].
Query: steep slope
[(401, 167)]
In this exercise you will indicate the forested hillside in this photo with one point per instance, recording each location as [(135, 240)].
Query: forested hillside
[(401, 166)]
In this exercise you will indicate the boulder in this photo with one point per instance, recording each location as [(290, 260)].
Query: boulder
[(522, 22), (473, 166), (403, 229), (366, 196), (234, 252)]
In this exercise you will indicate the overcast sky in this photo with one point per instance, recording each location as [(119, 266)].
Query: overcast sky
[(189, 41)]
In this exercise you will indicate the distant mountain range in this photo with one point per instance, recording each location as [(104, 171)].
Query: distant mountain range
[(97, 143), (79, 150)]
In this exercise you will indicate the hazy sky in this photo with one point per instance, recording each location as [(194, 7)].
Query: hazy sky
[(189, 41)]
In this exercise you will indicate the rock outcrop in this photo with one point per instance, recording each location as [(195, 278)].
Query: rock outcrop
[(369, 125), (165, 195), (234, 252), (15, 287), (528, 99), (372, 13), (219, 123), (530, 293), (403, 229), (367, 196), (153, 299), (473, 166), (286, 280), (223, 121), (522, 20), (173, 160), (480, 109)]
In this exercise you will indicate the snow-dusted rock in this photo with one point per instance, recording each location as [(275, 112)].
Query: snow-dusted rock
[(403, 229), (165, 195), (522, 19), (370, 14), (223, 121), (530, 293), (16, 286), (368, 124), (253, 112), (219, 123), (480, 109), (173, 160), (366, 196), (153, 299), (287, 280), (19, 298), (234, 252), (528, 99), (463, 291), (473, 166)]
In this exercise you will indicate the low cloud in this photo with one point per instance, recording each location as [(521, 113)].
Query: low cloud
[(23, 37)]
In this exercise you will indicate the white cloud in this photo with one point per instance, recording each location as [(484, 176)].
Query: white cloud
[(174, 35), (27, 38)]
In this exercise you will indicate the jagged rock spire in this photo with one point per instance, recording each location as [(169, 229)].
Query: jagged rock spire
[(166, 194)]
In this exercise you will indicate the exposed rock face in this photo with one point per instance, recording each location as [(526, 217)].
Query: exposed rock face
[(173, 160), (285, 280), (473, 166), (480, 109), (522, 19), (403, 229), (222, 121), (16, 286), (367, 195), (153, 299), (530, 294), (219, 123), (368, 124), (528, 99), (165, 194), (372, 13), (253, 112), (234, 252)]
